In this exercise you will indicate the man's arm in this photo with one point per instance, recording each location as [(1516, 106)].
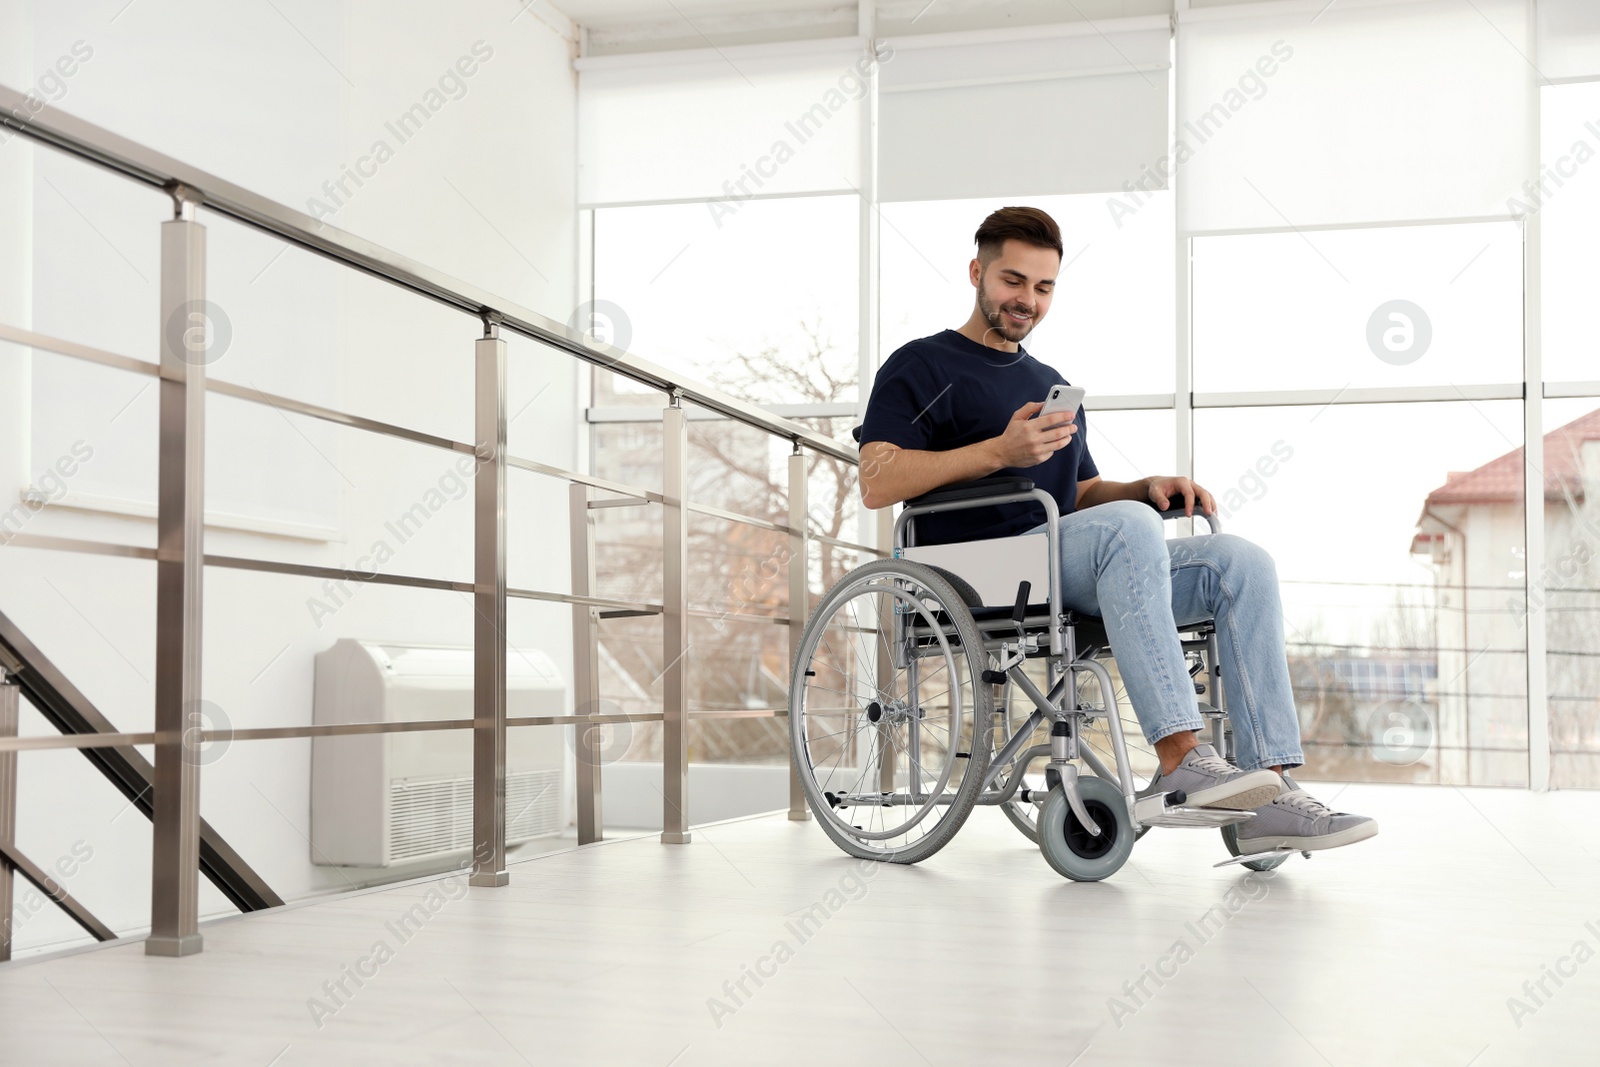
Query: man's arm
[(1163, 492), (890, 474), (1096, 490)]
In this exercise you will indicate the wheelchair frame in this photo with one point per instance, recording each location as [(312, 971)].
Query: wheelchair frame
[(1048, 631), (1060, 704)]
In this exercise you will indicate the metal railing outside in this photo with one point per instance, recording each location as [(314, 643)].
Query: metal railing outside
[(179, 555)]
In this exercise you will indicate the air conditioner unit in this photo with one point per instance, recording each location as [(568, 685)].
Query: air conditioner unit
[(379, 799)]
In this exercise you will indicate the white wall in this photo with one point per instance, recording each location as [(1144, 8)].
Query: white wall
[(16, 247), (279, 103)]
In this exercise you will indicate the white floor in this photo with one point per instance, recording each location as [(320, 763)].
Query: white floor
[(1402, 950)]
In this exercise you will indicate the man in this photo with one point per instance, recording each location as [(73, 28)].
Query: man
[(962, 404)]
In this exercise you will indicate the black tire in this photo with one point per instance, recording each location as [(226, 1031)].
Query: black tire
[(964, 590)]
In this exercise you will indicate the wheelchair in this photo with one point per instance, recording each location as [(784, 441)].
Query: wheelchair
[(911, 703)]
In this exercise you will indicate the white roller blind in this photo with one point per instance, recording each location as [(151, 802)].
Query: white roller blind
[(1398, 111), (1074, 110), (1569, 39), (695, 125)]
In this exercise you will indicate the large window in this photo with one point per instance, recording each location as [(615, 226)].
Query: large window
[(758, 298), (1398, 528), (1395, 577), (1407, 305), (1394, 505)]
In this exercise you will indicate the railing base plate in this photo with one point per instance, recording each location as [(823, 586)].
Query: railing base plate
[(173, 946)]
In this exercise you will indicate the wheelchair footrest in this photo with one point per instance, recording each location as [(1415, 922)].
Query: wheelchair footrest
[(1261, 856), (1202, 817)]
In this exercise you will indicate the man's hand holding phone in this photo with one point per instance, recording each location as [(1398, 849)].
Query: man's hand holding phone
[(1029, 441)]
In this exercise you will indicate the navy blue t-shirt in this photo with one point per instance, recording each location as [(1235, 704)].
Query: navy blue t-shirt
[(947, 391)]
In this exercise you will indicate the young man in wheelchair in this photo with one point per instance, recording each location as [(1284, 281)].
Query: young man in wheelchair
[(963, 404)]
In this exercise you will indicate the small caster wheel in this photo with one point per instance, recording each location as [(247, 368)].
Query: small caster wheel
[(1070, 848), (1230, 837)]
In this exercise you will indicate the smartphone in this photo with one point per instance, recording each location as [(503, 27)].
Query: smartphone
[(1063, 398)]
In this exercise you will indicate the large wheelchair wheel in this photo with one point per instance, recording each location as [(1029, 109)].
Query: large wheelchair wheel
[(890, 720), (1068, 846)]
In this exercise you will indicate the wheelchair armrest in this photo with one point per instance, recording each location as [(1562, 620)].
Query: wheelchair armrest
[(1176, 512), (973, 490)]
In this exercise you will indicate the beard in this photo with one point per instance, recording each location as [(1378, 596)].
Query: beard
[(1001, 323)]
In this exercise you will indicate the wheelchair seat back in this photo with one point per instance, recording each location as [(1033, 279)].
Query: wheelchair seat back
[(994, 567)]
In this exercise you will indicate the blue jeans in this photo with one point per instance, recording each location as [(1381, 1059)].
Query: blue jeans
[(1117, 563)]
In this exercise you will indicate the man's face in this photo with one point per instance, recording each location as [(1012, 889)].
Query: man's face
[(1014, 291)]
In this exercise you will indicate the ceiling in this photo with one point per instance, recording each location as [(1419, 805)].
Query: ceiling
[(592, 12), (645, 25)]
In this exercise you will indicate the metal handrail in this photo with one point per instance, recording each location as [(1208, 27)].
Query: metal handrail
[(712, 511), (45, 742), (181, 559), (100, 146)]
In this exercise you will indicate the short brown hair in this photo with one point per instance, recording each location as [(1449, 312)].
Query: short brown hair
[(1026, 224)]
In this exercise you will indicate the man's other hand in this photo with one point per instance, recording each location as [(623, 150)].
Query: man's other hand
[(1167, 492), (1028, 441)]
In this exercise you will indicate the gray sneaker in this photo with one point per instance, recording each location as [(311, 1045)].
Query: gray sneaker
[(1297, 820), (1212, 782)]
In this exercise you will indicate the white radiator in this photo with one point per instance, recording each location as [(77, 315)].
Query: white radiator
[(378, 799)]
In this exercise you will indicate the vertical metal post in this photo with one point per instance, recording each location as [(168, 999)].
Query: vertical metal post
[(180, 556), (1219, 698), (1533, 516), (585, 668), (884, 667), (1183, 287), (489, 612), (675, 625), (1533, 507), (868, 226), (913, 728), (9, 705), (1183, 393), (869, 229), (799, 596)]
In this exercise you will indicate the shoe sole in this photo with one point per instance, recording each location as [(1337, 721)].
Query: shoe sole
[(1359, 832), (1244, 793)]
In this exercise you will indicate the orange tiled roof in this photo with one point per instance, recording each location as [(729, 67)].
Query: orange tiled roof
[(1500, 480)]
